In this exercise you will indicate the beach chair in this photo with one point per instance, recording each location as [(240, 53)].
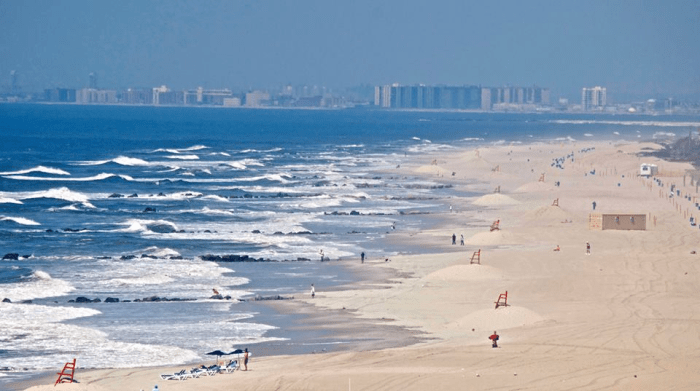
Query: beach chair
[(66, 374), (231, 366), (182, 375)]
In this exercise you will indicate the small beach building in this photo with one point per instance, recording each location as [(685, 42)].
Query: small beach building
[(625, 222), (648, 170)]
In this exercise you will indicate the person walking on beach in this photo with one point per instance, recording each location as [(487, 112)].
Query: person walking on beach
[(454, 239), (494, 339), (594, 204), (321, 255), (588, 248), (461, 240), (313, 291), (245, 359), (362, 256)]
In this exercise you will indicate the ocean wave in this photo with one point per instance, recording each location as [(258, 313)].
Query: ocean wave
[(181, 150), (663, 135), (39, 285), (216, 198), (183, 157), (160, 252), (61, 193), (121, 160), (47, 170), (261, 151), (98, 177), (208, 211), (270, 177), (628, 123), (6, 200), (19, 220), (149, 226)]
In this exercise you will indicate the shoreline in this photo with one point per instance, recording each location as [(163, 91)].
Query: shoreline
[(619, 318)]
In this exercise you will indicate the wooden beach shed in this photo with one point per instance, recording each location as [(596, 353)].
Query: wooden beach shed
[(625, 222)]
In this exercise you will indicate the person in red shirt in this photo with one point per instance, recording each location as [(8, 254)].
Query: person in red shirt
[(494, 339)]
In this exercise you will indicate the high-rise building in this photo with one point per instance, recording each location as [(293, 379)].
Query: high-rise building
[(93, 80), (593, 98)]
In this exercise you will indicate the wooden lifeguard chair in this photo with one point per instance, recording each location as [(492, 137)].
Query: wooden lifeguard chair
[(497, 189), (502, 300), (495, 226), (541, 178), (476, 257), (66, 375), (555, 202), (497, 168)]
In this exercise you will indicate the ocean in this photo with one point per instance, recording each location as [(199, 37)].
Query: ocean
[(123, 202)]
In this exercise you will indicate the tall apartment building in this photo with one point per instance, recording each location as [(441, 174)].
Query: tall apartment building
[(91, 95), (593, 98), (456, 97)]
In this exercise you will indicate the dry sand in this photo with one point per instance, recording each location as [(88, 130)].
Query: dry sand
[(625, 317)]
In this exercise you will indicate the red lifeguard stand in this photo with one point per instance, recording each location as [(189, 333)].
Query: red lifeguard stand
[(555, 202), (66, 375), (495, 226), (502, 300), (476, 257)]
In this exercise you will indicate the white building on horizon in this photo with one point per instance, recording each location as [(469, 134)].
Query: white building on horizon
[(593, 98)]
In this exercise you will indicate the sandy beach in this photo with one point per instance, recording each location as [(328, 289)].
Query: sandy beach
[(624, 317)]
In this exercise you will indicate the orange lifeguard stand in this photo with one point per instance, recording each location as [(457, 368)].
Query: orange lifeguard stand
[(495, 226), (541, 178), (476, 257), (66, 375), (555, 202), (502, 300)]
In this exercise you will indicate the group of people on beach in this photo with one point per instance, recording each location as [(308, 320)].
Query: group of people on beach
[(461, 239)]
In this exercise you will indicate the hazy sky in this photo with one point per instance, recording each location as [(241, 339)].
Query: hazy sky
[(631, 47)]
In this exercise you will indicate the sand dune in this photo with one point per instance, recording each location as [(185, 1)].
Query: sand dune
[(497, 319), (465, 273), (495, 199)]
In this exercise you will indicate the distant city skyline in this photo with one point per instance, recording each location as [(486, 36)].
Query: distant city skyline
[(637, 50)]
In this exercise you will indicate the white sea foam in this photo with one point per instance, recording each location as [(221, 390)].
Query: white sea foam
[(210, 212), (60, 193), (30, 326), (97, 177), (19, 220), (181, 150), (121, 160), (6, 200), (47, 170), (39, 285), (183, 157), (663, 135), (616, 133), (148, 226), (160, 252), (472, 139), (216, 198)]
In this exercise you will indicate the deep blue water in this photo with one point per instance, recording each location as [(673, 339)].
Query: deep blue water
[(109, 201)]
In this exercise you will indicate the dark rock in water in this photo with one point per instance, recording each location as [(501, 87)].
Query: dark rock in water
[(161, 195), (206, 231), (217, 297), (6, 300), (278, 233), (162, 228), (25, 302), (111, 300), (149, 210), (148, 256), (26, 256), (175, 257), (11, 256), (127, 257), (255, 231), (354, 213), (133, 195), (71, 301), (49, 230), (126, 301), (115, 195), (227, 297), (73, 229), (82, 299), (96, 301)]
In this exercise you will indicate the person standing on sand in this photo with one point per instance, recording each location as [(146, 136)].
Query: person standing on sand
[(588, 248), (321, 252), (313, 291), (245, 359), (362, 256), (494, 339), (454, 239), (594, 204), (461, 240)]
